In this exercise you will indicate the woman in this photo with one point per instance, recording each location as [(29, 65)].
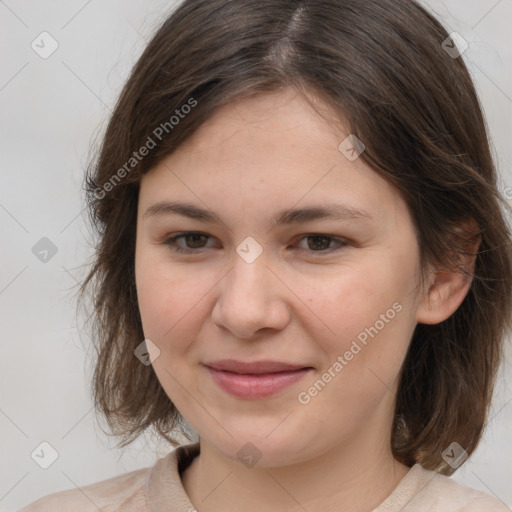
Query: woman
[(304, 255)]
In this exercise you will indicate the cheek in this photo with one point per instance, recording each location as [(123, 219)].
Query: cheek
[(171, 299), (370, 316), (160, 296), (373, 324)]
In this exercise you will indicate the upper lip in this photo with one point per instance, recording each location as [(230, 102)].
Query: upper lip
[(231, 365)]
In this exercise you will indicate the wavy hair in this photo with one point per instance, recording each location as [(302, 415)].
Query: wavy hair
[(381, 65)]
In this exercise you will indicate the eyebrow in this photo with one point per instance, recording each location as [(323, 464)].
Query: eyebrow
[(283, 217)]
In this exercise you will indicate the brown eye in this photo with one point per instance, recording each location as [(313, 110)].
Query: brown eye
[(192, 241), (196, 240), (319, 243)]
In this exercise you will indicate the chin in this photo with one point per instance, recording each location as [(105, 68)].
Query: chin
[(254, 449)]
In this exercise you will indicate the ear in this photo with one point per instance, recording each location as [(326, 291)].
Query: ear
[(447, 287)]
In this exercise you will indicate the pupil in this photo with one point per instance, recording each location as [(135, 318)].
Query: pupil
[(317, 238), (194, 237)]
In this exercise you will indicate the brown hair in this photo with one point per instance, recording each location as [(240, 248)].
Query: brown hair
[(381, 66)]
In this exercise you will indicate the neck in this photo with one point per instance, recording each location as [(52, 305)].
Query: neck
[(355, 476)]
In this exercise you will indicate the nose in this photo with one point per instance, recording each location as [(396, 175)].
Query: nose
[(251, 300)]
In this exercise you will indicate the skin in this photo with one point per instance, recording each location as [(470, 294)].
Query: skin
[(251, 159)]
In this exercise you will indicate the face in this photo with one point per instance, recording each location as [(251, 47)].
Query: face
[(332, 296)]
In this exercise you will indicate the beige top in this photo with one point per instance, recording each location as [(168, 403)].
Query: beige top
[(159, 489)]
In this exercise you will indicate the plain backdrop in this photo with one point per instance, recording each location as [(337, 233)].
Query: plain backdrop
[(50, 109)]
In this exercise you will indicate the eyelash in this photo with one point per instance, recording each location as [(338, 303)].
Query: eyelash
[(171, 242)]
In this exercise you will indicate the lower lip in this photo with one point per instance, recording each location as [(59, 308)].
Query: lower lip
[(255, 386)]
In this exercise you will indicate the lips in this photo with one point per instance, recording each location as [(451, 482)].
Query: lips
[(255, 380), (256, 367)]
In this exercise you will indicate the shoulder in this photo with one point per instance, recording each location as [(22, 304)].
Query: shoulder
[(138, 491), (438, 493), (124, 493), (466, 499)]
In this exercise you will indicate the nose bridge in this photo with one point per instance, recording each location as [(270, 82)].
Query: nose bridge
[(249, 279), (249, 298)]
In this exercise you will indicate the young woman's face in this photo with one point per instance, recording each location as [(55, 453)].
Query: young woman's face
[(334, 296)]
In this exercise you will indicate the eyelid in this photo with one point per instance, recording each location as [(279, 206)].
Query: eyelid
[(341, 243), (171, 242)]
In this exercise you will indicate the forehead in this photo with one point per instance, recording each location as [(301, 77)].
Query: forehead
[(277, 119), (268, 151)]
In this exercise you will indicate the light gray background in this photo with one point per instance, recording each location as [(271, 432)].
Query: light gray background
[(50, 108)]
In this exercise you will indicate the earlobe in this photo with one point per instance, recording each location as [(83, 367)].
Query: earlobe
[(448, 287)]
